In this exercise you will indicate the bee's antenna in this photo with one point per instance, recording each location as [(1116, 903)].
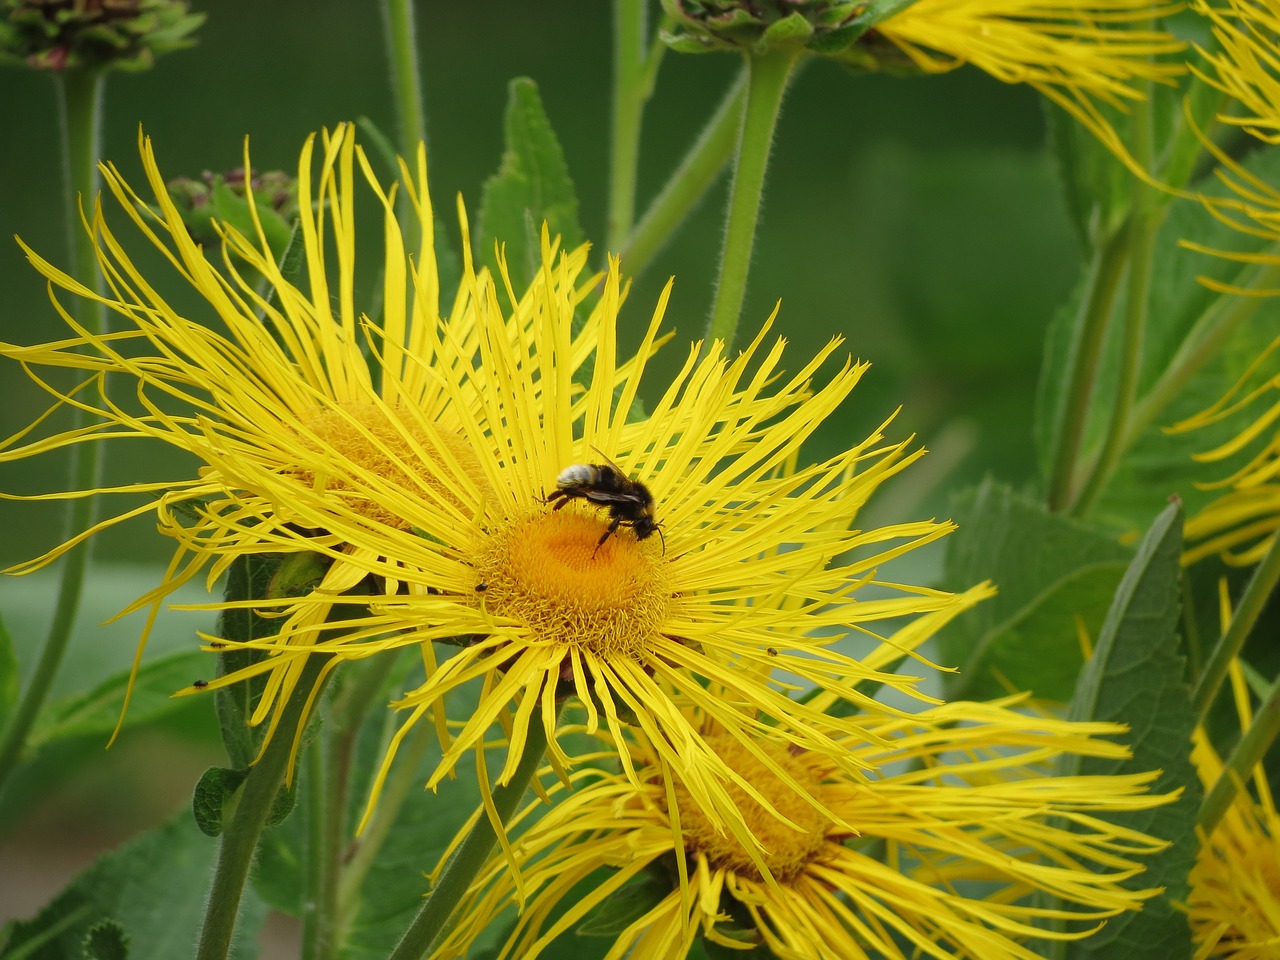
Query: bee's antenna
[(658, 527)]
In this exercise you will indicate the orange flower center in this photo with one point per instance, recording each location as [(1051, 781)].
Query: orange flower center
[(408, 454), (787, 850), (549, 571)]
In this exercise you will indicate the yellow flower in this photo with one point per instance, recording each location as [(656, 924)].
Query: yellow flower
[(416, 456), (1241, 524), (936, 856), (1077, 53), (1234, 905)]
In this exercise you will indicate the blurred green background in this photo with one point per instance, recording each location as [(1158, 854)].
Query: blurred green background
[(918, 218)]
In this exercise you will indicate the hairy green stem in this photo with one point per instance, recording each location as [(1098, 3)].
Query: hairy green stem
[(406, 93), (689, 182), (1248, 753), (1105, 273), (767, 77), (629, 95), (80, 114), (325, 799), (473, 852), (252, 807), (1261, 585)]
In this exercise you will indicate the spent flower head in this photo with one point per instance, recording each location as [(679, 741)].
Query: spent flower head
[(76, 35), (938, 854)]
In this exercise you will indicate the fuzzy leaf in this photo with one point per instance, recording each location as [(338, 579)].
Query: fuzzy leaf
[(1050, 570), (96, 712), (1135, 676), (214, 791), (531, 186), (152, 889), (106, 940)]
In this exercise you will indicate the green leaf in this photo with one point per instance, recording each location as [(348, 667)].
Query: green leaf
[(532, 185), (106, 940), (1135, 676), (8, 675), (97, 711), (1050, 570), (211, 800), (152, 889), (636, 898)]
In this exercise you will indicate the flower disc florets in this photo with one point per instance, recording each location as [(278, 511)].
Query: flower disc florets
[(786, 850), (550, 572)]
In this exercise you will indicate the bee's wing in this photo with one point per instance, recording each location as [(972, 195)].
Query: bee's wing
[(609, 460)]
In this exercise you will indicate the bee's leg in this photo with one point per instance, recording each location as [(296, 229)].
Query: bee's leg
[(613, 526), (559, 497)]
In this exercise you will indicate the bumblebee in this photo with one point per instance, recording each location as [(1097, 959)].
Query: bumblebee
[(629, 501)]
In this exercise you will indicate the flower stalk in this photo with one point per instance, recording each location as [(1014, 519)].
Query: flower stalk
[(629, 94), (245, 826), (767, 76), (1244, 759)]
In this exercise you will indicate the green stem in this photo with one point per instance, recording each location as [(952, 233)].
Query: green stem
[(80, 113), (240, 838), (1215, 327), (1105, 273), (629, 95), (325, 797), (473, 852), (696, 173), (406, 94), (1244, 758), (1261, 585), (767, 76), (1142, 229)]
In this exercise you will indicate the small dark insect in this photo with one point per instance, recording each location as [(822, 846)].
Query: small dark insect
[(629, 501), (771, 651), (216, 644), (199, 684), (481, 587)]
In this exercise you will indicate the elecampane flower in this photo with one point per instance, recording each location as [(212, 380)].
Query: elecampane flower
[(937, 855), (1234, 905)]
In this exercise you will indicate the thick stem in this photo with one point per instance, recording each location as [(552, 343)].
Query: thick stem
[(325, 799), (1261, 585), (240, 838), (629, 95), (1244, 758), (1106, 271), (473, 852), (689, 182), (80, 113), (767, 76), (406, 93), (1142, 230)]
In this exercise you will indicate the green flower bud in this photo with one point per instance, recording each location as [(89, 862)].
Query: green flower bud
[(221, 198), (823, 27), (93, 34)]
